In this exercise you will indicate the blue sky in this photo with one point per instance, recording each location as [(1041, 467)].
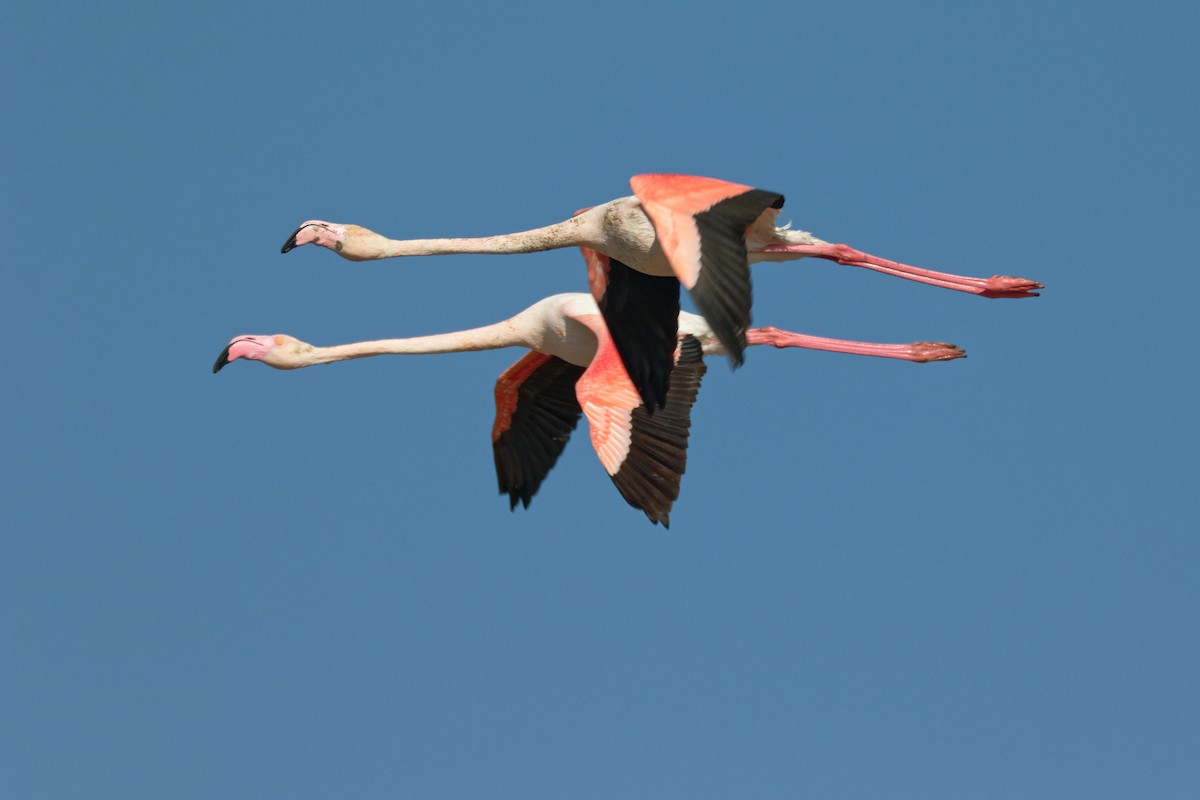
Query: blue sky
[(970, 579)]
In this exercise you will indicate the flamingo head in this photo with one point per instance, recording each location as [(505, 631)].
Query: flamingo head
[(348, 241), (279, 351), (318, 232)]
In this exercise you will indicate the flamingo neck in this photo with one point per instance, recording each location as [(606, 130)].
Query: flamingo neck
[(491, 337), (562, 234)]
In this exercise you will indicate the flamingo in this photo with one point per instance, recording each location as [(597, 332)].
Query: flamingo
[(572, 368), (701, 232)]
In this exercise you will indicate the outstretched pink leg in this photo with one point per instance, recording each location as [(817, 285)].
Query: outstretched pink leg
[(917, 351), (995, 286)]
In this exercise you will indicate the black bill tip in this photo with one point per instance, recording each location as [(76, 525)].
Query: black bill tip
[(290, 244), (222, 359)]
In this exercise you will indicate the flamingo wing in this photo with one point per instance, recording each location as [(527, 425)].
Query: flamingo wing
[(536, 411), (642, 315), (701, 225), (644, 454)]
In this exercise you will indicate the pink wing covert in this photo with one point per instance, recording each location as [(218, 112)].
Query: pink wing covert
[(701, 225), (672, 203), (644, 454)]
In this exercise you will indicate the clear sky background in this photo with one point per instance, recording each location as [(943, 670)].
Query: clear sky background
[(975, 579)]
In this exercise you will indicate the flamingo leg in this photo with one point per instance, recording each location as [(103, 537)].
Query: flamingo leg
[(995, 286), (920, 352)]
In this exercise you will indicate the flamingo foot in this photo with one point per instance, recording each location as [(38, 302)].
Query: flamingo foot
[(1006, 286), (924, 352)]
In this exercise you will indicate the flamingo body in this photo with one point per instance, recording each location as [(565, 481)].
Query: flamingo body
[(573, 370)]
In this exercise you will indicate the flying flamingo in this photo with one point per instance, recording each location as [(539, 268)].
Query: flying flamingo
[(702, 231), (572, 368)]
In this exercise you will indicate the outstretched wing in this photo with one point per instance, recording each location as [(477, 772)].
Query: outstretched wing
[(642, 315), (536, 411), (644, 454), (701, 225)]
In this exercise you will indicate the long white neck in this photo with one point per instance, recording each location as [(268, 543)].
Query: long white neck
[(490, 337), (568, 233)]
